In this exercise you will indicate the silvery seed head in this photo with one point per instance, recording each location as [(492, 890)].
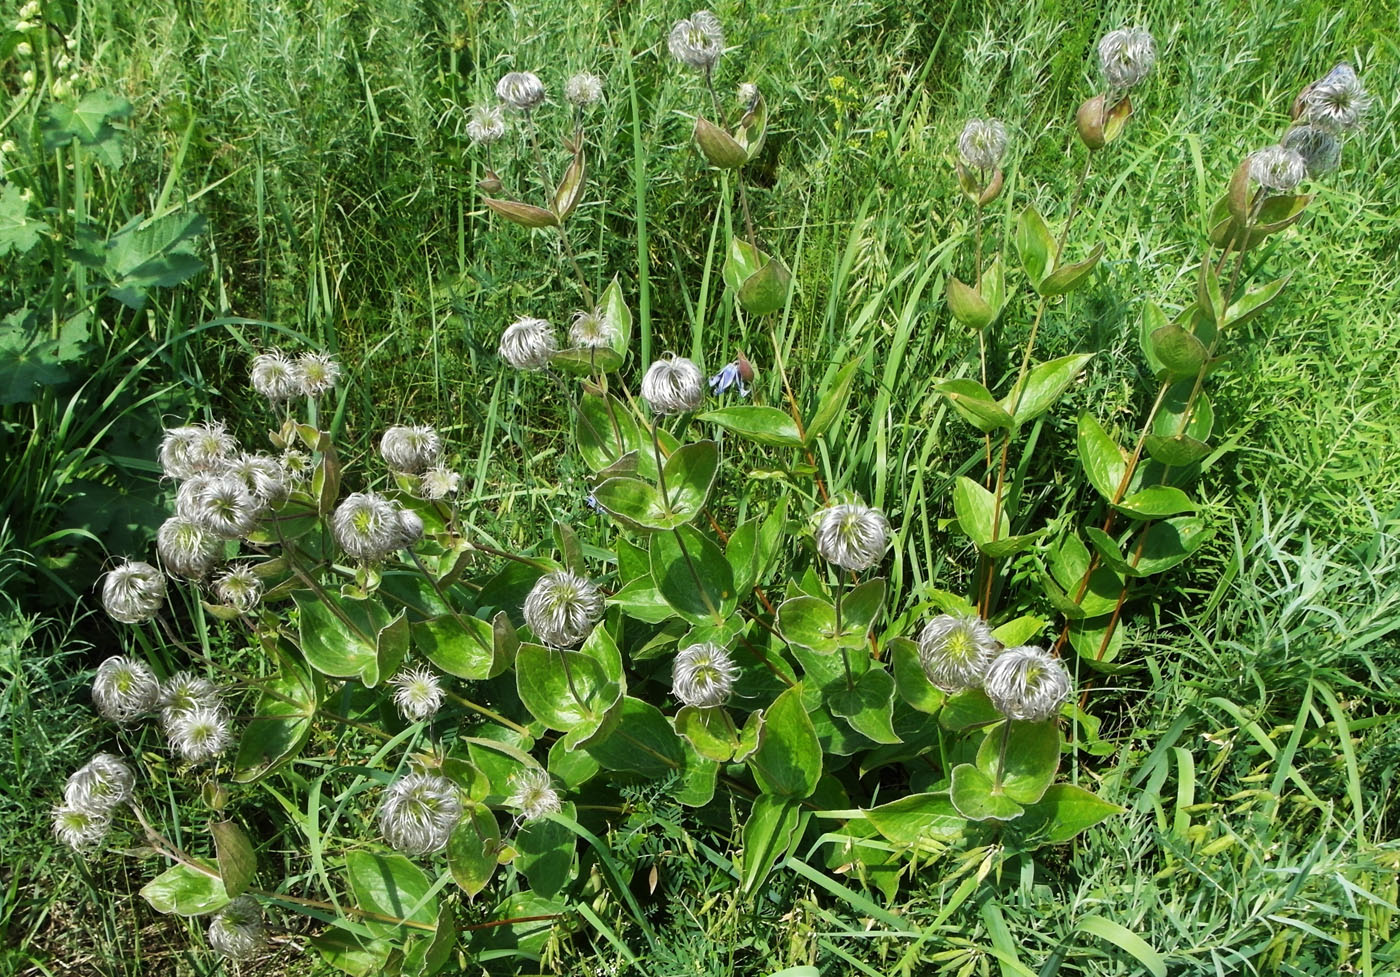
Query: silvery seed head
[(316, 373), (673, 385), (1321, 150), (528, 344), (419, 812), (955, 651), (583, 89), (237, 931), (221, 505), (80, 830), (410, 449), (264, 476), (438, 483), (562, 608), (274, 376), (1338, 102), (703, 675), (193, 448), (593, 329), (133, 592), (748, 95), (698, 41), (1027, 684), (124, 689), (410, 528), (1276, 169), (99, 785), (852, 536), (486, 125), (533, 793), (520, 90), (239, 588), (418, 694), (201, 733), (1126, 56), (982, 144), (185, 549), (184, 693), (367, 527), (296, 466)]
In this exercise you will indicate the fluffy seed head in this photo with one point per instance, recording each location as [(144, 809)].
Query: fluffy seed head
[(533, 793), (316, 373), (296, 466), (1027, 684), (1276, 169), (201, 733), (184, 693), (562, 608), (124, 689), (193, 448), (418, 694), (274, 376), (185, 549), (419, 812), (1126, 56), (528, 344), (263, 476), (237, 930), (1321, 150), (438, 482), (240, 587), (698, 41), (673, 385), (703, 675), (99, 785), (1337, 102), (221, 505), (982, 144), (852, 536), (520, 90), (410, 449), (367, 527), (955, 651), (410, 527), (584, 89), (80, 830), (593, 329), (486, 125), (133, 592)]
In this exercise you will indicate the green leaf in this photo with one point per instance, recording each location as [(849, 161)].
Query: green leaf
[(542, 679), (635, 503), (90, 123), (1173, 417), (1104, 462), (526, 215), (832, 402), (463, 646), (869, 707), (742, 552), (1153, 318), (1155, 502), (349, 953), (975, 796), (570, 190), (919, 818), (718, 147), (1035, 245), (975, 404), (391, 885), (545, 852), (810, 622), (148, 254), (185, 891), (237, 862), (18, 231), (1176, 451), (586, 361), (788, 761), (28, 363), (767, 834), (911, 681), (967, 306), (1032, 758), (764, 425), (1180, 353), (766, 290), (1018, 631), (1244, 308), (640, 599), (340, 637), (741, 261), (709, 600), (1167, 543), (1062, 812), (1208, 297), (643, 743), (690, 475), (1067, 278), (1127, 941), (280, 725), (753, 127), (967, 709), (1045, 383), (710, 731), (974, 507)]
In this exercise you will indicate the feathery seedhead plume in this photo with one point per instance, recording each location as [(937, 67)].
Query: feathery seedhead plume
[(520, 90), (193, 448), (317, 373), (955, 651), (411, 449), (418, 693), (852, 536), (183, 693), (263, 476), (133, 592), (1337, 102), (237, 931), (185, 549), (593, 329), (78, 829), (1126, 56), (438, 483), (583, 89), (562, 608), (410, 527), (673, 385), (1276, 169), (698, 41), (240, 588), (1321, 150), (124, 689), (1027, 684), (296, 465), (99, 785), (703, 675), (748, 95), (419, 812), (221, 505), (528, 344), (982, 144), (486, 125), (533, 793), (274, 375), (367, 526), (200, 734)]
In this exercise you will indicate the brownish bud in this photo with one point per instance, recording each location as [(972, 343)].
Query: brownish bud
[(490, 182), (746, 372), (993, 188)]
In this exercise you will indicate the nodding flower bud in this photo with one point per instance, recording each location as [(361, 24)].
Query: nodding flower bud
[(593, 330), (673, 385), (239, 588), (79, 829), (194, 448), (583, 89), (1337, 102), (1126, 56), (852, 536), (982, 144), (367, 526), (698, 41), (133, 592), (703, 675), (438, 483), (486, 125), (418, 694), (528, 344), (1276, 169), (275, 376), (186, 549), (124, 689), (201, 733), (410, 449), (237, 930), (521, 90), (317, 373), (99, 785), (955, 651), (1026, 684), (562, 608), (419, 812), (1321, 150), (533, 793)]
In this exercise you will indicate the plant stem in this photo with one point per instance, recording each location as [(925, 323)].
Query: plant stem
[(569, 676)]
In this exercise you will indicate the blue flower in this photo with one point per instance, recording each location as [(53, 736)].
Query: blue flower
[(729, 376)]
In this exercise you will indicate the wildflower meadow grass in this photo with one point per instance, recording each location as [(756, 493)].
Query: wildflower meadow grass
[(633, 489)]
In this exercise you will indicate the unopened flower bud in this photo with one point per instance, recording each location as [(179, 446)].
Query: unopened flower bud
[(486, 125), (239, 588), (1321, 150), (982, 144), (237, 931), (1276, 169), (186, 549), (1337, 102)]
